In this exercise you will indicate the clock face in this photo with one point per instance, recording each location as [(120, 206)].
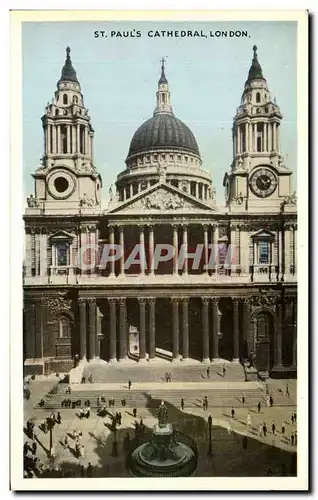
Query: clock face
[(263, 182)]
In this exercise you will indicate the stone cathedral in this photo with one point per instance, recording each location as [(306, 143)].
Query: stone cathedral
[(243, 305)]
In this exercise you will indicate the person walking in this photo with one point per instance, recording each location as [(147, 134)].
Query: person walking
[(208, 372), (129, 384), (271, 401), (295, 438), (295, 417), (287, 389), (259, 407), (292, 418), (224, 371), (233, 412), (273, 427), (135, 412), (260, 430), (58, 417), (292, 438), (243, 399), (268, 401), (82, 471), (205, 403), (264, 429), (89, 470), (34, 447), (283, 428), (182, 404), (66, 441)]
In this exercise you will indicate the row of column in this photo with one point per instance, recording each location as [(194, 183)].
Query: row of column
[(78, 139), (197, 189), (214, 238), (88, 307), (247, 134)]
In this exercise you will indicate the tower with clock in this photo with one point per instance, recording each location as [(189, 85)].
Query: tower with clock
[(67, 181), (258, 180)]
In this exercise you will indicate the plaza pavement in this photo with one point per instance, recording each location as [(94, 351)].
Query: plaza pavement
[(263, 456)]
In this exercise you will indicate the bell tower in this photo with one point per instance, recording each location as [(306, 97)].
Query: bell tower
[(67, 180), (258, 179)]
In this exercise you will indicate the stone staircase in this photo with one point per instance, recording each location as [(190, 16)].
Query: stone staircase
[(103, 372), (150, 398)]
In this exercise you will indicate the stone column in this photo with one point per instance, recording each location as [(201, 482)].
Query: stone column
[(82, 318), (92, 327), (151, 248), (46, 131), (73, 139), (287, 250), (112, 242), (175, 246), (142, 329), (68, 138), (274, 137), (99, 334), (206, 248), (78, 139), (175, 329), (130, 190), (250, 141), (58, 149), (122, 330), (122, 245), (215, 329), (236, 338), (216, 246), (197, 190), (142, 252), (185, 329), (278, 138), (246, 137), (28, 253), (270, 138), (265, 148), (205, 330), (37, 253), (247, 323), (239, 150), (185, 247), (255, 137), (113, 327), (38, 330), (54, 139), (279, 337), (280, 253), (152, 327), (294, 332)]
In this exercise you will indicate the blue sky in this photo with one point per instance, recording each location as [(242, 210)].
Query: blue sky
[(119, 76)]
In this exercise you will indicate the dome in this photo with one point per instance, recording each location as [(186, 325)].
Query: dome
[(163, 130)]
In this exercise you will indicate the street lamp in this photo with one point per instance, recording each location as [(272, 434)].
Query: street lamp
[(50, 425), (210, 435)]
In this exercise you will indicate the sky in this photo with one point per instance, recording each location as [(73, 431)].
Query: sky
[(119, 78)]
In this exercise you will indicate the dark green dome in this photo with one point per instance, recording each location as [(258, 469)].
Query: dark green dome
[(68, 72), (163, 130)]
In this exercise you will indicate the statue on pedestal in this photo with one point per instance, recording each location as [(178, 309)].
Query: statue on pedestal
[(162, 414)]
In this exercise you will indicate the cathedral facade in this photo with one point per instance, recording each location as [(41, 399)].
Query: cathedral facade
[(163, 272)]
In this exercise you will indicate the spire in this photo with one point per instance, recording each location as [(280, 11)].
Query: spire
[(163, 78), (68, 72), (163, 94), (255, 72)]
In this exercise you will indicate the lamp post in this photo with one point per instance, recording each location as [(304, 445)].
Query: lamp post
[(210, 435), (50, 425)]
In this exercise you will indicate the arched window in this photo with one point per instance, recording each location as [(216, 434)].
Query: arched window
[(258, 97), (57, 112), (64, 98)]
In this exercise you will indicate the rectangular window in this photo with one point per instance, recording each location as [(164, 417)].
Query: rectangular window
[(62, 254), (263, 252)]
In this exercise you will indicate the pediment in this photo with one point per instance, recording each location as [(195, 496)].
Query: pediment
[(61, 236), (161, 198), (263, 233)]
